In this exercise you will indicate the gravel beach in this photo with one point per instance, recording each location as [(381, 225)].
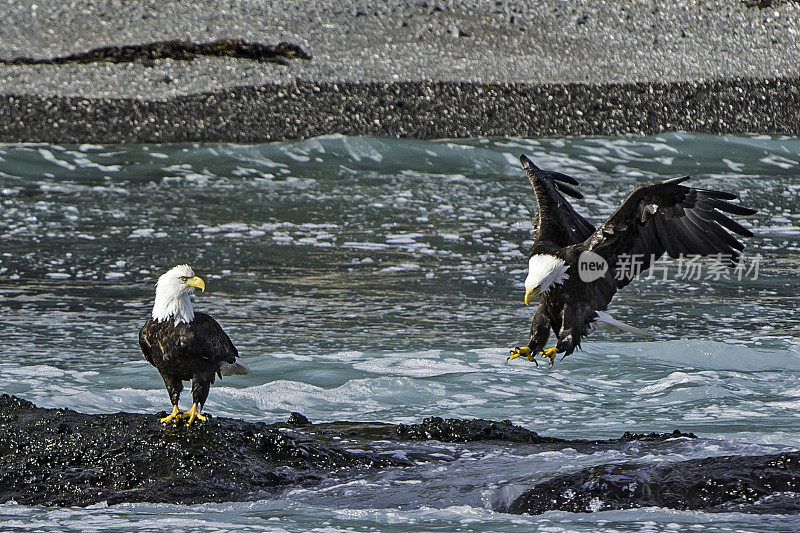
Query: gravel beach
[(421, 69)]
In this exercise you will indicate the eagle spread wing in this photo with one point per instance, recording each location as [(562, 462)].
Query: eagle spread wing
[(673, 218), (654, 219), (556, 222)]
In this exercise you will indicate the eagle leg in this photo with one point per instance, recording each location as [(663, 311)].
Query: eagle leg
[(172, 416), (174, 387), (193, 414), (524, 351), (550, 355)]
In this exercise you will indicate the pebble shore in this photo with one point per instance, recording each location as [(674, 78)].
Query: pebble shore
[(422, 69)]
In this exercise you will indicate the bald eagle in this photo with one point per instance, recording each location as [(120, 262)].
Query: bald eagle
[(186, 345), (656, 218)]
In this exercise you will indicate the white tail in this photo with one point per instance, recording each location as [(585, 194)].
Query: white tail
[(239, 367), (607, 319)]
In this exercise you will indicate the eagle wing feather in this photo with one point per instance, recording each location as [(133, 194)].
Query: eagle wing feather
[(668, 217), (210, 341), (556, 221)]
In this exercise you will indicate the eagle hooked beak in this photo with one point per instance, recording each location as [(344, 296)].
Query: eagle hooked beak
[(196, 282), (530, 295)]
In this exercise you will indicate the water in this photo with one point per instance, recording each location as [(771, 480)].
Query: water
[(381, 279)]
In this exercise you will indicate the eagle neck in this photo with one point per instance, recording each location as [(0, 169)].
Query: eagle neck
[(168, 305)]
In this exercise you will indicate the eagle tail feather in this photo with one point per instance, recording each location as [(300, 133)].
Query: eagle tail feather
[(238, 367), (609, 320)]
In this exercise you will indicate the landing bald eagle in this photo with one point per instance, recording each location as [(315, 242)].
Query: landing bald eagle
[(655, 218), (184, 345)]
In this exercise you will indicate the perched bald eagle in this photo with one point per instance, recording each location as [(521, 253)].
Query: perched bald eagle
[(655, 218), (184, 345)]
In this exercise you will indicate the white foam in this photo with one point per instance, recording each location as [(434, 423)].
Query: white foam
[(396, 365), (47, 155), (402, 267)]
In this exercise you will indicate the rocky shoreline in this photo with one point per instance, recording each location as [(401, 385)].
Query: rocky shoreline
[(423, 69), (64, 458)]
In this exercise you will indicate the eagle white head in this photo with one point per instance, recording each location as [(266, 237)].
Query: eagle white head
[(172, 294), (544, 271)]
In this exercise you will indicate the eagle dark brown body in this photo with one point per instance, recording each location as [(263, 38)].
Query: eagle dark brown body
[(184, 345), (187, 351)]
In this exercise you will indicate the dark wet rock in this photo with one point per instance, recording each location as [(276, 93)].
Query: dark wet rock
[(346, 431), (676, 434), (179, 50), (454, 430), (766, 3), (61, 457), (761, 484), (297, 419)]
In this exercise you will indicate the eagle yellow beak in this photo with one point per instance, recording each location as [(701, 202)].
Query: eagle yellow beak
[(530, 295), (196, 282)]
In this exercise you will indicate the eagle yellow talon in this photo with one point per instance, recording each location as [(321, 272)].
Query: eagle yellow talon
[(193, 414), (175, 414), (523, 351), (550, 355)]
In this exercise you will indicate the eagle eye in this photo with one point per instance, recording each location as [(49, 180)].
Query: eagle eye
[(184, 279)]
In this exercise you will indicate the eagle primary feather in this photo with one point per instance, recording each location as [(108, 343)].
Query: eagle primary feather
[(556, 222)]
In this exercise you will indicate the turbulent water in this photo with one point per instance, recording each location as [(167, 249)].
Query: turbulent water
[(381, 279)]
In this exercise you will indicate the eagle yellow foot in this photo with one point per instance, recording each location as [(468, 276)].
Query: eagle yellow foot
[(550, 355), (523, 351), (172, 416), (193, 414)]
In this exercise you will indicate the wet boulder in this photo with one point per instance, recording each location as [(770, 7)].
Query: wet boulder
[(62, 457), (749, 484), (479, 430), (455, 430)]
